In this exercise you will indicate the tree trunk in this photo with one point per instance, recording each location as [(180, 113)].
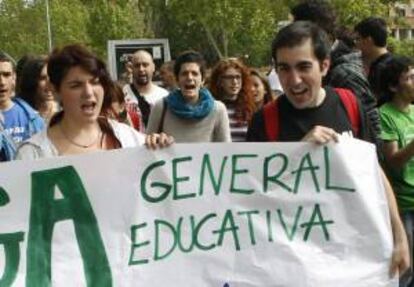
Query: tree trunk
[(212, 40), (225, 43)]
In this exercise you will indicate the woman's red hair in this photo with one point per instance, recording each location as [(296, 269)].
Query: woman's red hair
[(245, 105)]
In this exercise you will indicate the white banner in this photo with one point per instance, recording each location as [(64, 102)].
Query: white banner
[(234, 215)]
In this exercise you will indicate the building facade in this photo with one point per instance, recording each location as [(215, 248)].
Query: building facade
[(403, 26)]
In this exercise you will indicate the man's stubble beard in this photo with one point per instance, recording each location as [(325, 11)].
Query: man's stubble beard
[(142, 81)]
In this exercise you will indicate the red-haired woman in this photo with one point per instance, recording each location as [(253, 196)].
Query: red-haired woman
[(230, 83)]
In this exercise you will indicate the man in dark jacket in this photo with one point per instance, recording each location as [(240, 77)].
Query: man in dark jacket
[(371, 39)]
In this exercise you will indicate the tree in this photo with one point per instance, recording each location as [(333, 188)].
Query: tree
[(21, 28), (219, 28), (69, 20), (114, 20), (401, 47), (72, 21)]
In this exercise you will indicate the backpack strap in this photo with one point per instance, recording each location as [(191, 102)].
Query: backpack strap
[(271, 120), (161, 123), (350, 103), (143, 105)]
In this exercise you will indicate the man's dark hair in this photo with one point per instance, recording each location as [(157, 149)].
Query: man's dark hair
[(373, 27), (190, 57), (319, 12), (4, 57), (297, 33), (390, 76)]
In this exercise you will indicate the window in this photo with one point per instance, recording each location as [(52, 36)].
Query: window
[(400, 12), (403, 34)]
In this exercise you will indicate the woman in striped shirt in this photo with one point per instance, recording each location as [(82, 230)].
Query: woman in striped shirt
[(230, 83)]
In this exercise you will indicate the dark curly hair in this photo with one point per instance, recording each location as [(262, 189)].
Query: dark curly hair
[(390, 75), (190, 57), (319, 12)]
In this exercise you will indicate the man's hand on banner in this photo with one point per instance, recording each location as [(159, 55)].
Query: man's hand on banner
[(400, 260), (321, 135)]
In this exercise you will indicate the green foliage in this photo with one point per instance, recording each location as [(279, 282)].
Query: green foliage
[(15, 17), (72, 21), (218, 28), (113, 22), (350, 12), (68, 22), (401, 47)]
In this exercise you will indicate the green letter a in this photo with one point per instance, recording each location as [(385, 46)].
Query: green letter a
[(11, 245), (46, 211)]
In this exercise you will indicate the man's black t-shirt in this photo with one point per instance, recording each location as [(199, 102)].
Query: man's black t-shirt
[(294, 123)]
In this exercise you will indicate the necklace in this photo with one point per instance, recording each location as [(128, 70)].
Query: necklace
[(77, 144)]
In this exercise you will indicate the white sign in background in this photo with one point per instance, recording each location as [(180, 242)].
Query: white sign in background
[(237, 234)]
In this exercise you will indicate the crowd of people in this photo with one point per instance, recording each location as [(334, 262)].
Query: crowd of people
[(331, 84)]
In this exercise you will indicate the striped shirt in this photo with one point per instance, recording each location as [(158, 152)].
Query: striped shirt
[(238, 128)]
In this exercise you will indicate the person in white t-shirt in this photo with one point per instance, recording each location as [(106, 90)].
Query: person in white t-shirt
[(274, 82), (143, 93)]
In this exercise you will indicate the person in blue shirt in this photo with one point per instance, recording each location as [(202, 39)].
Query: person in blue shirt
[(18, 120)]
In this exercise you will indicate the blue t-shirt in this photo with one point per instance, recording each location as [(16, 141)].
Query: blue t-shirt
[(16, 123)]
